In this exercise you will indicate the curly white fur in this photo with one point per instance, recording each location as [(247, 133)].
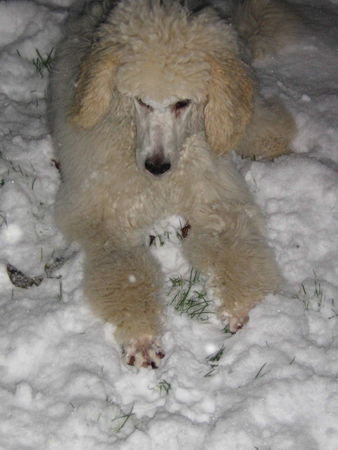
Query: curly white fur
[(147, 101)]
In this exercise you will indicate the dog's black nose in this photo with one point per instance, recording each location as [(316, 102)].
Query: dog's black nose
[(157, 167)]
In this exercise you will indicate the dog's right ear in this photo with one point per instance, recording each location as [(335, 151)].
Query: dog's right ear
[(94, 87)]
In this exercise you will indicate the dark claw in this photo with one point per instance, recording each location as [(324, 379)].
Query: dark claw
[(143, 352), (185, 230)]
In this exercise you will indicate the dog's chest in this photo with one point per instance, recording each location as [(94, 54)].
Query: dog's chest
[(133, 209), (137, 206)]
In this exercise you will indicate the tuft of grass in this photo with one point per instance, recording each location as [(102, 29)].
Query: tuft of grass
[(213, 361), (333, 310), (33, 183), (189, 297), (3, 219), (164, 387), (259, 373), (15, 168), (313, 298), (159, 240), (60, 294), (226, 329), (122, 420), (215, 357), (43, 63)]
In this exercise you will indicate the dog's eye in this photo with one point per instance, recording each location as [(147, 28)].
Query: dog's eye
[(182, 104), (144, 105)]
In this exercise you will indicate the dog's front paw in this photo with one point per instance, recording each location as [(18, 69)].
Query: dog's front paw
[(234, 321), (144, 351)]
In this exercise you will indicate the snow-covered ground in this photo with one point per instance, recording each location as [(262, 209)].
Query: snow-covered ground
[(274, 385)]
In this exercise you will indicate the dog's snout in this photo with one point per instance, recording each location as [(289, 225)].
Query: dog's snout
[(157, 166)]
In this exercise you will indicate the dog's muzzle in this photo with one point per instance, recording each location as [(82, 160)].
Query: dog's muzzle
[(157, 166)]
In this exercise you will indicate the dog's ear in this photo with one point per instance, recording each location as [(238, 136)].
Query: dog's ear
[(230, 103), (94, 87)]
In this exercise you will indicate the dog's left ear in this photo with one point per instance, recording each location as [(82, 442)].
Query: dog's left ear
[(94, 87), (230, 103)]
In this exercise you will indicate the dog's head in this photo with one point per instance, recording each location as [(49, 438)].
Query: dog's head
[(180, 72)]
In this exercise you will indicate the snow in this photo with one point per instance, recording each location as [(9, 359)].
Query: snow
[(274, 386)]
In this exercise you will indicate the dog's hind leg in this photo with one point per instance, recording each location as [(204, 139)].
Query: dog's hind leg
[(270, 132), (241, 267), (122, 287), (266, 26)]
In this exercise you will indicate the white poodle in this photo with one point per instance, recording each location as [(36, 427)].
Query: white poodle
[(147, 100)]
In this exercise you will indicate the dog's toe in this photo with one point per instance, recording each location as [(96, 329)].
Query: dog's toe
[(144, 351)]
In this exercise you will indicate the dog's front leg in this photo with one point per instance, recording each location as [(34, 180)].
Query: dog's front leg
[(241, 266), (122, 287)]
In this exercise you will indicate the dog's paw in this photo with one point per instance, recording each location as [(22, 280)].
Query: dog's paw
[(144, 351), (234, 321)]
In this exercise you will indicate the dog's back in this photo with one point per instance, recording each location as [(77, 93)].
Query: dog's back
[(265, 26)]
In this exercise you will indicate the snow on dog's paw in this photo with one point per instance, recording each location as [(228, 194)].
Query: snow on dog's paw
[(144, 351), (169, 231)]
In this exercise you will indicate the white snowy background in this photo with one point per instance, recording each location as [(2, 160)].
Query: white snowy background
[(62, 383)]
